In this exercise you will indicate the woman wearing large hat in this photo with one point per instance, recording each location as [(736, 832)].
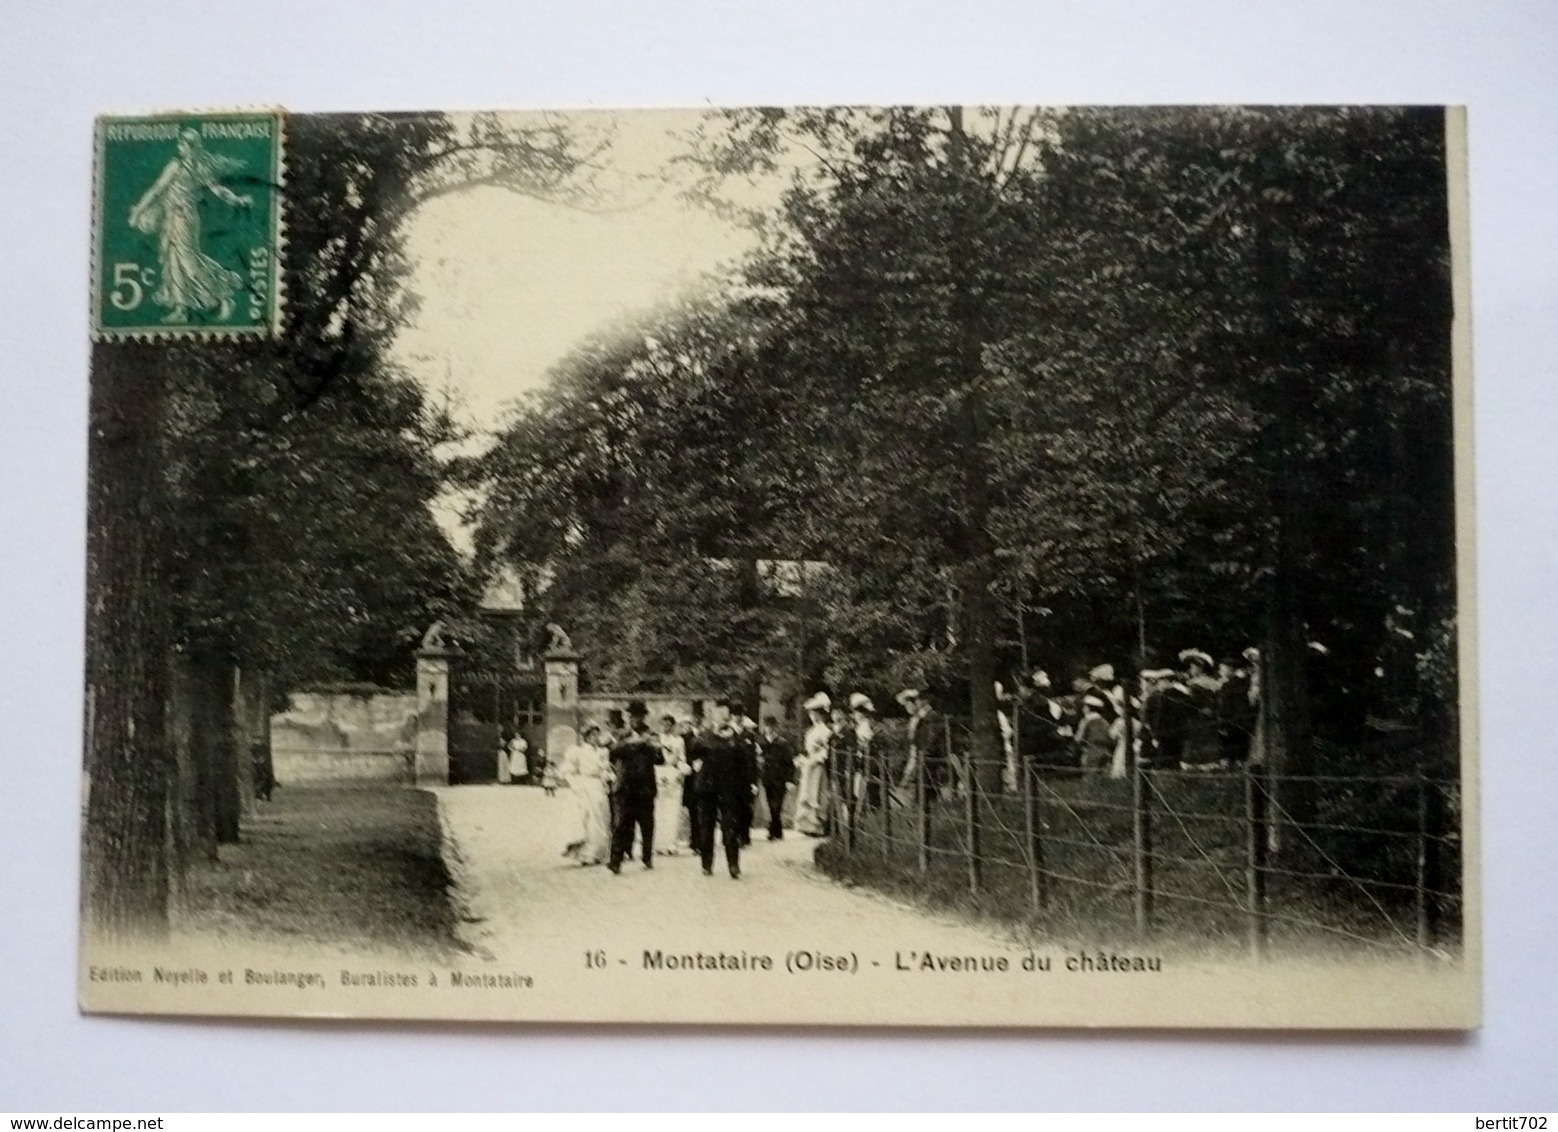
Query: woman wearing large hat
[(813, 765)]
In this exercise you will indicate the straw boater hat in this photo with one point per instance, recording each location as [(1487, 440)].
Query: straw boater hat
[(859, 701), (1103, 674), (819, 702), (907, 698), (1202, 658)]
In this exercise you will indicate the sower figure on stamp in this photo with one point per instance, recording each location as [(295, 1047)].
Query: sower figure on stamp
[(634, 756), (170, 210), (726, 776)]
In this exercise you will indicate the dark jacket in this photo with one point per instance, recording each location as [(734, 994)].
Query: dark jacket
[(728, 763), (1235, 717), (1167, 714), (777, 756), (926, 736), (1043, 736), (634, 758)]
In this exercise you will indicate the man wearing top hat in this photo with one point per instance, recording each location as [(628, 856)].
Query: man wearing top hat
[(726, 766), (634, 756), (747, 733), (689, 734), (776, 755)]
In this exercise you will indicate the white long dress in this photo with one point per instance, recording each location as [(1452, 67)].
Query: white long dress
[(585, 768), (813, 762), (668, 795)]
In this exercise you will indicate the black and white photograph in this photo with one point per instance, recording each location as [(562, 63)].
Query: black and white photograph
[(871, 566)]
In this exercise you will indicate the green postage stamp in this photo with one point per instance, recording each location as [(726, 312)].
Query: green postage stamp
[(187, 223)]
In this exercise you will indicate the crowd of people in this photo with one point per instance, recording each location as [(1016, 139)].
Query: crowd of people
[(668, 790), (1202, 715), (667, 787)]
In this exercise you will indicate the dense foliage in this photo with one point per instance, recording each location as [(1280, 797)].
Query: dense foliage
[(1058, 388)]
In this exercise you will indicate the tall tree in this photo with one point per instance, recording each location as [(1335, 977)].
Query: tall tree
[(279, 489)]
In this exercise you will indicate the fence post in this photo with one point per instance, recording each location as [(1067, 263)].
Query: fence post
[(832, 813), (1141, 845), (971, 818), (1033, 823), (1256, 845), (848, 794), (922, 803), (884, 795), (1424, 881)]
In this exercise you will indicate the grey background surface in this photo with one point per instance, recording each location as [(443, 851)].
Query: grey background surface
[(62, 62)]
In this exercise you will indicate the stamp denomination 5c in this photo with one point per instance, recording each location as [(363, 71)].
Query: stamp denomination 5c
[(188, 225)]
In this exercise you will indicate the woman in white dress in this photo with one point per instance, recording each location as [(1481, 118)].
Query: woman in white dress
[(668, 789), (586, 769), (813, 766)]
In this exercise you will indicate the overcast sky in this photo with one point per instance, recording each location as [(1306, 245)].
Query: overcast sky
[(508, 284)]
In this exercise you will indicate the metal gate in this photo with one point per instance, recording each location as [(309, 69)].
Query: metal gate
[(486, 710)]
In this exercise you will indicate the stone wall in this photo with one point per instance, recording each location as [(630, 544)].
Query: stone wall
[(331, 736)]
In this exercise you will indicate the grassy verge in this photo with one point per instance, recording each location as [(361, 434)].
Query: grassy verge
[(356, 867)]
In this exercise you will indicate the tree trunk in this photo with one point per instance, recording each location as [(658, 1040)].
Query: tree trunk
[(749, 601), (979, 625), (126, 854), (1284, 691), (185, 828), (978, 573), (253, 698), (216, 744)]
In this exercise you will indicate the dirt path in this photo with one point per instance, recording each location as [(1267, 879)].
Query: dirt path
[(515, 890)]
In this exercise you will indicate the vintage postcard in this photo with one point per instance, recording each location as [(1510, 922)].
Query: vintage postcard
[(936, 566)]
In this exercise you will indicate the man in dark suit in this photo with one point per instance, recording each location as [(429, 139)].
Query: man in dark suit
[(726, 767), (1043, 730), (747, 731), (926, 736), (1166, 712), (689, 734), (633, 757), (776, 754)]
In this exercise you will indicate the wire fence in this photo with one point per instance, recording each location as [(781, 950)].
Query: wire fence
[(1235, 855)]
